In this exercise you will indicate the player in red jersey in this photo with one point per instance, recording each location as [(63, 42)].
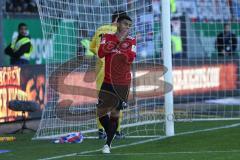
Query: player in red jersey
[(119, 50)]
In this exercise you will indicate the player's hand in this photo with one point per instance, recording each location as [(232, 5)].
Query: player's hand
[(110, 46), (123, 34)]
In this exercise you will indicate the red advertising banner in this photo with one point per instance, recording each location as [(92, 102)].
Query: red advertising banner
[(28, 83), (22, 83), (206, 78)]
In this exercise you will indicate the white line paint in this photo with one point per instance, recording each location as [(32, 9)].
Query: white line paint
[(142, 142), (161, 153)]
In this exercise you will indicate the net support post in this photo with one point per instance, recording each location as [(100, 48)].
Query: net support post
[(167, 61), (2, 3)]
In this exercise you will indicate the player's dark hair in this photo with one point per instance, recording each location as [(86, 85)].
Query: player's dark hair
[(124, 17), (21, 25), (118, 14)]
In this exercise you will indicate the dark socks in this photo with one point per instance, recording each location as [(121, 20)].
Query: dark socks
[(110, 126), (112, 130), (105, 122)]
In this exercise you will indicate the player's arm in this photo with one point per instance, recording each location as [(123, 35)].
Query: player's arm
[(104, 49), (8, 50)]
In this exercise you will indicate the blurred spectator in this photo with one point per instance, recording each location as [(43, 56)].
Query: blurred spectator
[(205, 10), (226, 42), (21, 47), (235, 8), (176, 40), (23, 6)]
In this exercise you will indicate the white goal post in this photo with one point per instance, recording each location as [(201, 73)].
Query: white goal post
[(167, 61)]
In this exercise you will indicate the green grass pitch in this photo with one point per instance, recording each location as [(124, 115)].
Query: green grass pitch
[(214, 144)]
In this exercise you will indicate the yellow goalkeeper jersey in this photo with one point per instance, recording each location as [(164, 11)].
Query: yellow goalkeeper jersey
[(94, 46)]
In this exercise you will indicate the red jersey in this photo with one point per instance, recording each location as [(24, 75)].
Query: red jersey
[(118, 58)]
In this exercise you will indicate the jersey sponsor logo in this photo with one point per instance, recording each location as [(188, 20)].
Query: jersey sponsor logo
[(125, 45), (116, 51)]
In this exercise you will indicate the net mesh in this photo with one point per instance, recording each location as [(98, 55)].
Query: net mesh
[(205, 73), (71, 89)]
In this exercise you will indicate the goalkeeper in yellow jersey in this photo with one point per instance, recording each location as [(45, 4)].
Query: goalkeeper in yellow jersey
[(94, 46)]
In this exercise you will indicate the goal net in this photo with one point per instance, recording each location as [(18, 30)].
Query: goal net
[(205, 63), (70, 69), (205, 81), (206, 67)]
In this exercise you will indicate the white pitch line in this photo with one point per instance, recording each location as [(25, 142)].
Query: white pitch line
[(161, 153), (144, 141)]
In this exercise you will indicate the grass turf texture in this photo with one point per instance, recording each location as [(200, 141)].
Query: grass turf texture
[(221, 144)]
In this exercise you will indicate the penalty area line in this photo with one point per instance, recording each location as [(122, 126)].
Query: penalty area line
[(142, 142)]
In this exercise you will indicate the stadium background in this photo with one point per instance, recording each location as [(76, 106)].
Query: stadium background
[(199, 77), (185, 15)]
